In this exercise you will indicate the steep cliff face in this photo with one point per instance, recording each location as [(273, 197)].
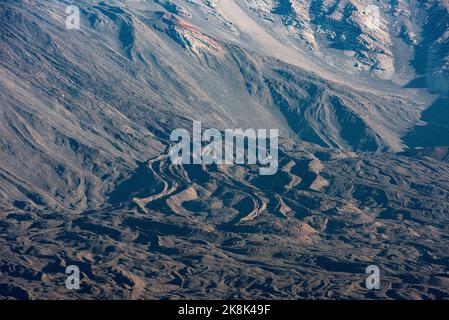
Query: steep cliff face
[(358, 38), (438, 52)]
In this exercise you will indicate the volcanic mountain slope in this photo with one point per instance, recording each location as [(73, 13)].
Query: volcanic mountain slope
[(350, 37), (84, 110), (64, 112)]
